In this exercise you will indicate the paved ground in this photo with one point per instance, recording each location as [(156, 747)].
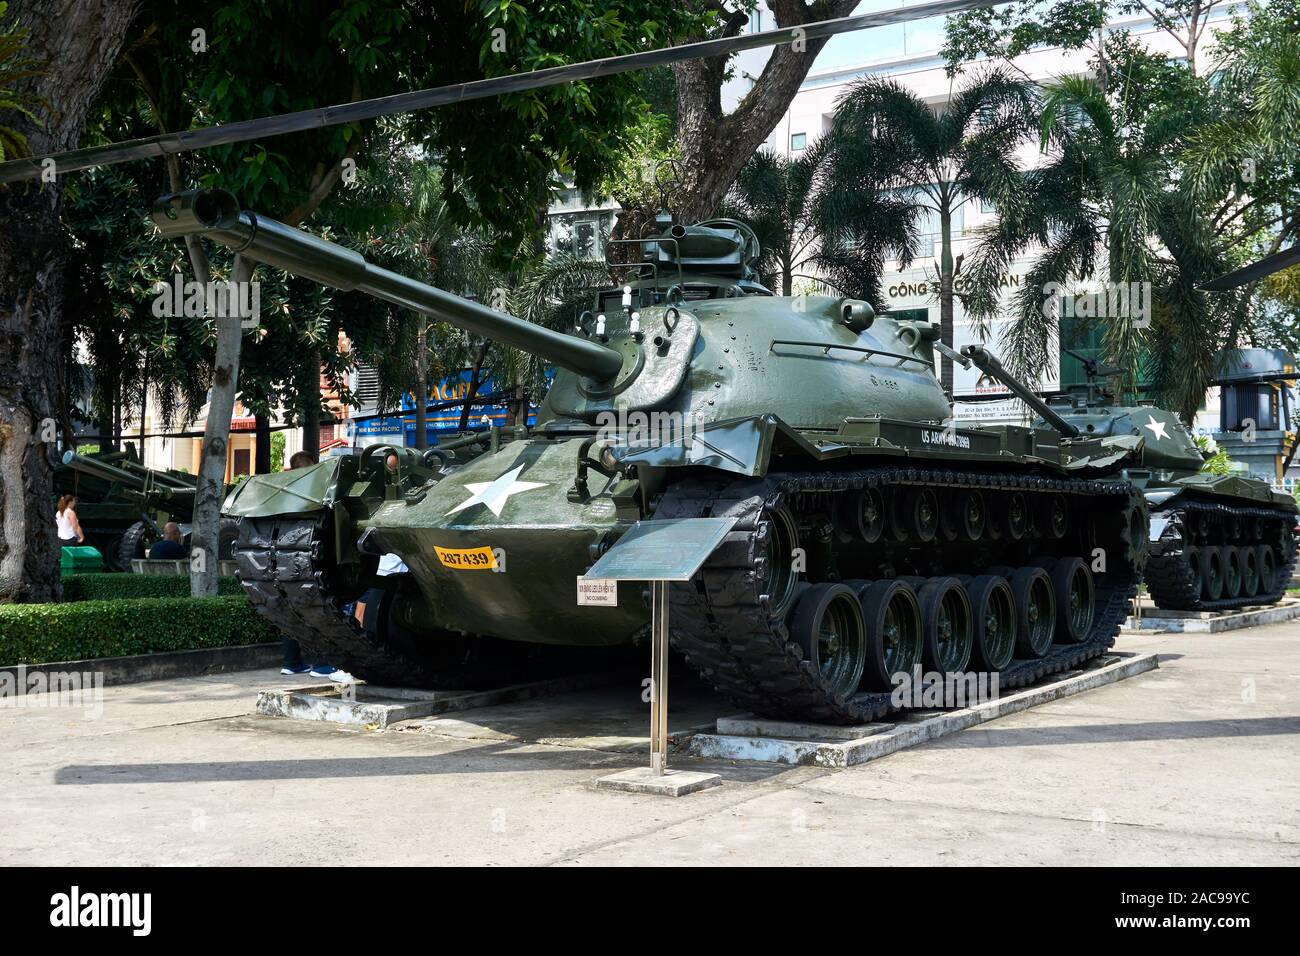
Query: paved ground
[(1196, 763)]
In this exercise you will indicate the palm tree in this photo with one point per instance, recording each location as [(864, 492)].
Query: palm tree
[(1145, 184), (885, 138), (811, 227)]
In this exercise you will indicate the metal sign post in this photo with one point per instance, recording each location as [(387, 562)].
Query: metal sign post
[(659, 552), (659, 679)]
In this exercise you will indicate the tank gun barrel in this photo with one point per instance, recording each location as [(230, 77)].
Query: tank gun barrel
[(987, 363), (215, 214)]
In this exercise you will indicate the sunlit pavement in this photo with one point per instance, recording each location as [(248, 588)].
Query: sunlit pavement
[(1195, 763)]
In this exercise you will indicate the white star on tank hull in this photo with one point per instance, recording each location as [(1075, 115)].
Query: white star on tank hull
[(495, 494)]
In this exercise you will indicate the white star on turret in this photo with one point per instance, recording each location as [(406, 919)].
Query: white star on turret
[(1157, 428), (494, 494)]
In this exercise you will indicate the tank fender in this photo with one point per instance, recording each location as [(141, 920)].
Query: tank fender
[(742, 446), (300, 491)]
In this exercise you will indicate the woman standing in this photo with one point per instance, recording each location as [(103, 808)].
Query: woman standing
[(69, 527)]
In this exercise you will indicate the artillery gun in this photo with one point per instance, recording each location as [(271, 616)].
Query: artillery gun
[(123, 504), (873, 536)]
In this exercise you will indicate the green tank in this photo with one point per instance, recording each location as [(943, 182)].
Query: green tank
[(873, 536), (1216, 541)]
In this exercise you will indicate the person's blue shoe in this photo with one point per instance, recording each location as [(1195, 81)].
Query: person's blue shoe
[(294, 671), (323, 670)]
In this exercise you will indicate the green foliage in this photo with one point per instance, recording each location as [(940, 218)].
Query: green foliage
[(1008, 30), (501, 154), (1217, 463), (930, 164), (1154, 173), (114, 266), (43, 633), (817, 227), (108, 587), (630, 178), (14, 66), (277, 451)]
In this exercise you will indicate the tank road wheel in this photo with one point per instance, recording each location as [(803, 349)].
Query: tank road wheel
[(1211, 573), (1192, 560), (947, 627), (1015, 516), (827, 623), (1249, 571), (962, 518), (893, 619), (1035, 611), (993, 610), (1267, 565), (1231, 571), (870, 515), (1053, 517), (1076, 598), (920, 514), (775, 563)]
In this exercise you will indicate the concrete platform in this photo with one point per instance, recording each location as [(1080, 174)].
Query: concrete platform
[(671, 783), (749, 738), (377, 708), (1211, 622)]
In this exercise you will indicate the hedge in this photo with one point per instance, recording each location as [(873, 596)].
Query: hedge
[(109, 587), (42, 633)]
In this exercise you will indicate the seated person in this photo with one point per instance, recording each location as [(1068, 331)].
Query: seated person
[(171, 547)]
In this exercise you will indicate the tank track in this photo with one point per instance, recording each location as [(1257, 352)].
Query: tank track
[(1170, 579), (285, 567), (281, 568), (720, 621)]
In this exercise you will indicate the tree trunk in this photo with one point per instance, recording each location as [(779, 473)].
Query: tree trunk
[(421, 387), (211, 484), (74, 43), (715, 147), (945, 290), (144, 404), (261, 444), (470, 395), (311, 405)]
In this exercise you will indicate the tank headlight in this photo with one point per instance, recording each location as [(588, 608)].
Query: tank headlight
[(608, 459), (391, 462)]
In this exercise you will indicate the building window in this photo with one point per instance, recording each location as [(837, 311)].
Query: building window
[(584, 238), (756, 22), (798, 141), (910, 315)]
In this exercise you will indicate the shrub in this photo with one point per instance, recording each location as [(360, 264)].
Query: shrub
[(41, 633), (110, 587)]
